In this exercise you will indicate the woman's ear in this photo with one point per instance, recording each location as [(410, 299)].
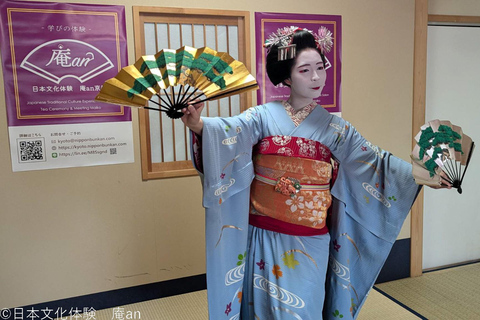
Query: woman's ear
[(288, 82)]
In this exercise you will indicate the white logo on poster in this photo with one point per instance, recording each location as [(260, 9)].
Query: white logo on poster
[(62, 58), (66, 58)]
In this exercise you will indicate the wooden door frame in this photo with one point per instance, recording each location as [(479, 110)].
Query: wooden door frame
[(422, 19)]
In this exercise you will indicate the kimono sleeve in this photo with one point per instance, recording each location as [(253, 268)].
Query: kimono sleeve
[(227, 145), (376, 187)]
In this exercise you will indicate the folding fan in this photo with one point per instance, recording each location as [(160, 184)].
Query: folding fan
[(203, 74), (441, 146)]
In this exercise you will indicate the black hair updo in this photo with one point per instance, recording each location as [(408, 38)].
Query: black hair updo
[(279, 71)]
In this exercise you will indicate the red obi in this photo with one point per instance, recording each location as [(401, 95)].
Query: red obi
[(291, 190)]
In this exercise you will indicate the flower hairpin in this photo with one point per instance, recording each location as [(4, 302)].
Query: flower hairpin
[(283, 39), (324, 39)]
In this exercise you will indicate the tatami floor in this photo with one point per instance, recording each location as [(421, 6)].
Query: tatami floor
[(452, 293)]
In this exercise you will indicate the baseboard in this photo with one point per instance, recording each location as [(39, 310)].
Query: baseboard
[(453, 265), (124, 296), (397, 265)]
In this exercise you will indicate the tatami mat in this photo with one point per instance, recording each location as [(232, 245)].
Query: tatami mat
[(446, 294), (190, 306), (379, 307), (193, 306)]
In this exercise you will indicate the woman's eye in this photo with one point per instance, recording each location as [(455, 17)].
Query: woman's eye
[(321, 68), (303, 70)]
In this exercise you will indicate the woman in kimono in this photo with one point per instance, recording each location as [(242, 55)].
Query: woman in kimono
[(268, 180)]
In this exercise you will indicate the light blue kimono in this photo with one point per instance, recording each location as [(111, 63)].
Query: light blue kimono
[(372, 196)]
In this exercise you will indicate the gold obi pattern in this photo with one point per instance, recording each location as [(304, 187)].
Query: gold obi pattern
[(291, 189)]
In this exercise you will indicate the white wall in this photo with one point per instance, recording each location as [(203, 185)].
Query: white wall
[(451, 220)]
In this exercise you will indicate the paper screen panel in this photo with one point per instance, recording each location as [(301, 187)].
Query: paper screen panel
[(165, 142)]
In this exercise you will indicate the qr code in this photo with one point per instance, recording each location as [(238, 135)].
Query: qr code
[(31, 150), (113, 150)]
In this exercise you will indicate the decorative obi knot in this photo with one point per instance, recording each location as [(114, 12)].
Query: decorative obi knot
[(287, 186)]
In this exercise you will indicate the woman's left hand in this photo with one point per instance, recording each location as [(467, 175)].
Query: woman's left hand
[(445, 182)]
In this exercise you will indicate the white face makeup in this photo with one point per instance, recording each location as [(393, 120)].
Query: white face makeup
[(308, 75)]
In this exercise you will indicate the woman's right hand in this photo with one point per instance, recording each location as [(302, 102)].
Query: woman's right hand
[(191, 116)]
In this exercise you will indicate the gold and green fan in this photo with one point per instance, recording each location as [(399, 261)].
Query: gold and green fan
[(441, 147), (201, 74)]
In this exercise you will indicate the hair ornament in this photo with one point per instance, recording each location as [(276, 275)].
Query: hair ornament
[(283, 39), (324, 39)]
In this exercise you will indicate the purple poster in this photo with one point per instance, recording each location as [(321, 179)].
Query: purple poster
[(55, 58), (268, 23)]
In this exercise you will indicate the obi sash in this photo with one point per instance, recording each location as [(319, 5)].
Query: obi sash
[(291, 190)]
